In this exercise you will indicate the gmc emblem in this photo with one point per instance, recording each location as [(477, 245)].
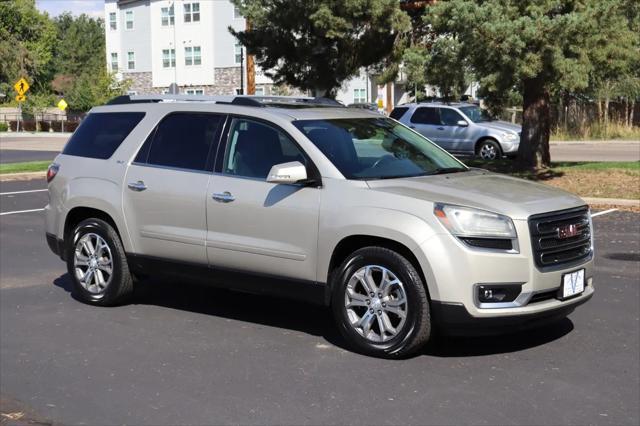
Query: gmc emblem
[(567, 231)]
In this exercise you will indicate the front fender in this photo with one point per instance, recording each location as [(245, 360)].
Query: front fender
[(398, 226)]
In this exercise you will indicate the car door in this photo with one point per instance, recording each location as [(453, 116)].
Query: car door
[(254, 225), (426, 121), (455, 137), (166, 188)]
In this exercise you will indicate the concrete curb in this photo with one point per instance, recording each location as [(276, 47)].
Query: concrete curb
[(603, 142), (612, 202), (8, 177)]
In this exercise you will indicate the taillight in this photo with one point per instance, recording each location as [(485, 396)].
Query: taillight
[(52, 171)]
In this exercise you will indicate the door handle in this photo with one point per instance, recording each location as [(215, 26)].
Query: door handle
[(412, 127), (137, 186), (223, 197), (440, 128)]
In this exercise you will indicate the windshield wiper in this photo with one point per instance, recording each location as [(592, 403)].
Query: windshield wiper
[(445, 170)]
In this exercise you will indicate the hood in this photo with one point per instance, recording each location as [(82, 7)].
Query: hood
[(516, 198), (501, 125)]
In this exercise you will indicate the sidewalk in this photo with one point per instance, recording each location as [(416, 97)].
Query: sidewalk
[(34, 135)]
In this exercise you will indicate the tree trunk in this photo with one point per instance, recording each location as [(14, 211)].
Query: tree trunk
[(633, 107), (536, 116), (606, 116)]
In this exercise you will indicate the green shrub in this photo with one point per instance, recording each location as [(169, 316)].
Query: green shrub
[(4, 127)]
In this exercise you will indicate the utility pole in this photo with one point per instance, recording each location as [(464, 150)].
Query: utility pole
[(251, 69), (241, 70)]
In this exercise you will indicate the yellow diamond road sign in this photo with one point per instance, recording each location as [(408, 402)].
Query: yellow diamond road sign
[(21, 86), (21, 98), (62, 104)]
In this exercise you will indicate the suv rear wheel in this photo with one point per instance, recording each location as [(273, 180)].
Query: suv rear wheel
[(97, 264), (380, 303)]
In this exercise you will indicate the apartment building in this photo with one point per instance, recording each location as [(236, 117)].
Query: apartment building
[(154, 43)]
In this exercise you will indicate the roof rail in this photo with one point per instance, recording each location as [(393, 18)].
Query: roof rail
[(243, 100)]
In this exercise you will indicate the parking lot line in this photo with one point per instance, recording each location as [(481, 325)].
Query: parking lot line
[(23, 192), (21, 211), (604, 212)]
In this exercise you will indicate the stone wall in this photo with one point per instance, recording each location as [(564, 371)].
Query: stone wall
[(141, 83), (226, 81)]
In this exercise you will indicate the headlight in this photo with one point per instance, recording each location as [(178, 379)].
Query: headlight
[(510, 136), (468, 222)]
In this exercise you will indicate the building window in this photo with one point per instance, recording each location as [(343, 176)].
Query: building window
[(192, 55), (168, 16), (131, 60), (112, 21), (128, 19), (168, 58), (359, 95), (236, 12), (192, 12), (259, 91), (194, 91), (114, 61), (238, 53)]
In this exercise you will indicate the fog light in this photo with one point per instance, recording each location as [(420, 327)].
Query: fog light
[(498, 293)]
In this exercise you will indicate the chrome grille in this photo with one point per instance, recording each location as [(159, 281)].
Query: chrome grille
[(560, 237)]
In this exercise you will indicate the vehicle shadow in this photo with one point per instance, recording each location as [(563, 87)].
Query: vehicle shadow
[(312, 319), (447, 347)]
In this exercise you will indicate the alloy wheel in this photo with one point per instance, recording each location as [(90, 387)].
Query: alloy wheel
[(376, 303), (488, 152), (93, 263)]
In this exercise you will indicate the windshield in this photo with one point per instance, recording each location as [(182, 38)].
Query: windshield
[(476, 114), (377, 148)]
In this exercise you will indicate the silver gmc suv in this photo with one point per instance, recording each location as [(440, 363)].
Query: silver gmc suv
[(306, 199)]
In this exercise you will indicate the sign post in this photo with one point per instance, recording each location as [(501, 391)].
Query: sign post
[(21, 87), (62, 105)]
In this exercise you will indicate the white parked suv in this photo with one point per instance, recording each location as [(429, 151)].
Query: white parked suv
[(306, 199)]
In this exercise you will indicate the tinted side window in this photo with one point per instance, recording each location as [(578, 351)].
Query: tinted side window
[(426, 115), (397, 113), (183, 140), (253, 148), (100, 134), (449, 117)]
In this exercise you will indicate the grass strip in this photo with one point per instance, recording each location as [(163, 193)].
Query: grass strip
[(29, 166)]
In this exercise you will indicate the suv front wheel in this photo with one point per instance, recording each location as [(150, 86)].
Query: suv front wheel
[(488, 150), (380, 303), (97, 264)]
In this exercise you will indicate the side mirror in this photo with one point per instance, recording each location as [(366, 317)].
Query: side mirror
[(462, 123), (292, 172)]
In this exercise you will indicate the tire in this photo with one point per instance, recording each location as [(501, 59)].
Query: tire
[(112, 289), (410, 334), (488, 150)]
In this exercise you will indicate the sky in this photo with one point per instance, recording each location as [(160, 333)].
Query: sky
[(93, 8)]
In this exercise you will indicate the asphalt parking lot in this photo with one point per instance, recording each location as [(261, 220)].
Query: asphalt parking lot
[(180, 354)]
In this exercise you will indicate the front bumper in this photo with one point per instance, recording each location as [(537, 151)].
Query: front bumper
[(510, 147), (453, 319), (453, 272)]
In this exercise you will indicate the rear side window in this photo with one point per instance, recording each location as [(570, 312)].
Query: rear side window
[(181, 140), (397, 113), (449, 117), (100, 134), (426, 115)]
